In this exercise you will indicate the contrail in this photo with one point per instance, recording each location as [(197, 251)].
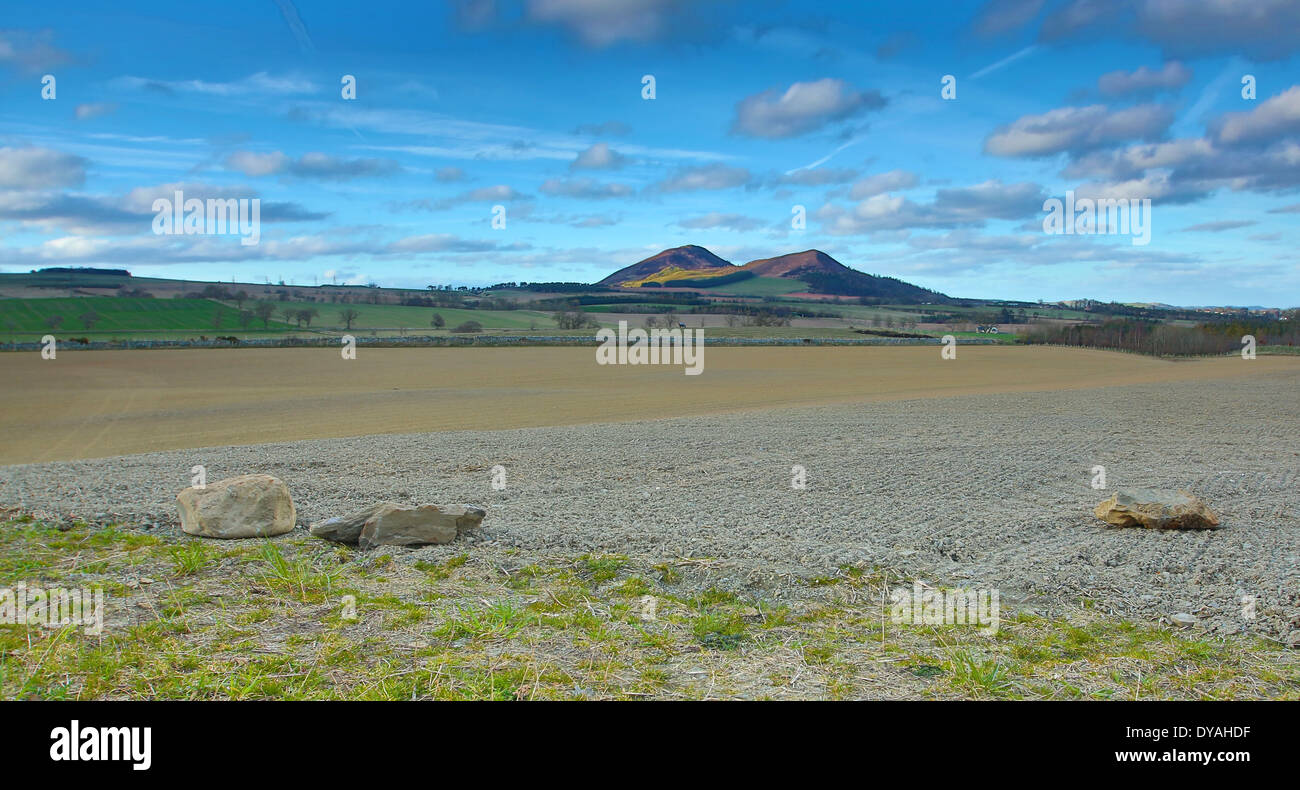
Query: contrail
[(294, 21), (1029, 50), (824, 159)]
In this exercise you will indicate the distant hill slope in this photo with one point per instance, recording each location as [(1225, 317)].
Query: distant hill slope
[(826, 275), (689, 258), (820, 272)]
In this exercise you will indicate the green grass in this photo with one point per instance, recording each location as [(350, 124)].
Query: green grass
[(119, 315), (266, 620), (24, 320), (417, 319), (760, 286)]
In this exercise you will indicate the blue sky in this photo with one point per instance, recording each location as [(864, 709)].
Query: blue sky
[(760, 106)]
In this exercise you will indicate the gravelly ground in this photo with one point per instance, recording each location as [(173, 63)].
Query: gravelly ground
[(989, 491)]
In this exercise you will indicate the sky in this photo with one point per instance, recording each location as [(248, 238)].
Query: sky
[(492, 141)]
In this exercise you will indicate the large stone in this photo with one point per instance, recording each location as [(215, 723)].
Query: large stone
[(249, 506), (392, 524), (345, 529), (400, 525), (1156, 508)]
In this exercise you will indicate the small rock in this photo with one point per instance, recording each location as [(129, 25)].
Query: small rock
[(249, 506), (1293, 640), (1183, 620), (1155, 508)]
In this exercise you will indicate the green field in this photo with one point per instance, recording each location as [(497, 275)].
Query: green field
[(25, 320), (418, 319), (117, 315), (760, 286), (637, 307)]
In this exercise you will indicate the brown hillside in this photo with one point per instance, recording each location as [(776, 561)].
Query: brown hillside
[(690, 257), (783, 265)]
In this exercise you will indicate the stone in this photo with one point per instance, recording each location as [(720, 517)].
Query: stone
[(1183, 620), (345, 529), (1293, 640), (249, 506), (1156, 508), (405, 525), (393, 524)]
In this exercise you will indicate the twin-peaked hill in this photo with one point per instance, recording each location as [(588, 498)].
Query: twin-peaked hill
[(695, 267)]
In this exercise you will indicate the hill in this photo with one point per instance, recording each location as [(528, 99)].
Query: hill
[(690, 258), (693, 266), (825, 275)]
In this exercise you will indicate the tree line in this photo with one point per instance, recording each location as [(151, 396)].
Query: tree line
[(1152, 337)]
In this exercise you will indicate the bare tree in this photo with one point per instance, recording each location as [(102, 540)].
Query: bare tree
[(264, 311), (347, 315)]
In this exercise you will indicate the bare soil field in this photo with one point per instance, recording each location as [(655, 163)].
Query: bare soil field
[(758, 589), (88, 404)]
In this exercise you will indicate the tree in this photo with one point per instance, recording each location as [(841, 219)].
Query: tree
[(240, 298), (347, 316), (469, 326), (438, 321), (89, 318), (245, 318), (306, 315), (290, 314), (574, 319), (264, 311)]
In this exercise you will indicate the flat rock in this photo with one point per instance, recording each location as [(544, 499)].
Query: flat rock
[(1156, 508), (248, 506), (393, 524), (345, 529), (404, 525)]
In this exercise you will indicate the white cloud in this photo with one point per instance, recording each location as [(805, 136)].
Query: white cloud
[(32, 167), (1273, 118), (882, 182), (1077, 129), (716, 176), (598, 157), (1171, 76), (803, 107), (600, 23)]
